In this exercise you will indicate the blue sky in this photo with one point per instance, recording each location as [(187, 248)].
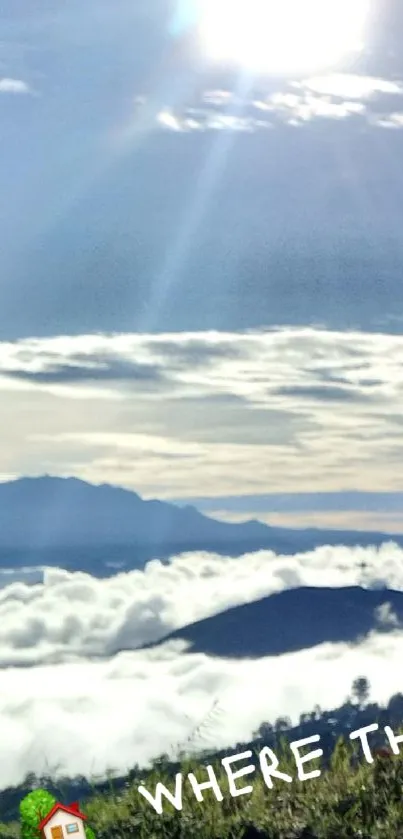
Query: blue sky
[(147, 194)]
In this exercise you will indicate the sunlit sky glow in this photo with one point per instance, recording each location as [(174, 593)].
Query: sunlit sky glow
[(293, 36), (128, 220)]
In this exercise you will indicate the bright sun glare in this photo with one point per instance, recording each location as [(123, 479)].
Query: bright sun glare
[(283, 36)]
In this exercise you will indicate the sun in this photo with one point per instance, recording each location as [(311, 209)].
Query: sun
[(283, 37)]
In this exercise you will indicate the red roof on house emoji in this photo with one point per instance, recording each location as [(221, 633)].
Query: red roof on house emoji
[(72, 809)]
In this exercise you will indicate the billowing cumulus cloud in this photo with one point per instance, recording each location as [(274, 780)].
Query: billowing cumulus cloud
[(134, 705), (139, 705), (72, 615)]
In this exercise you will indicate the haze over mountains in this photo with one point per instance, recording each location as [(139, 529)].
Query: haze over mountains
[(68, 523), (47, 512)]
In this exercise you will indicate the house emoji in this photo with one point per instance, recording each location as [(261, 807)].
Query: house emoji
[(63, 822)]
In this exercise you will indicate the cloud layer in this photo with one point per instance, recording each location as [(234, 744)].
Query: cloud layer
[(135, 705), (177, 415), (73, 615)]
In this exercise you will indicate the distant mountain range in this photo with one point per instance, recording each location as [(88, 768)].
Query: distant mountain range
[(68, 522), (46, 511), (294, 620)]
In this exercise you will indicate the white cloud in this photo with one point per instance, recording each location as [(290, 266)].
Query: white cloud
[(91, 717), (294, 410), (349, 86), (203, 119), (386, 616), (132, 707), (350, 518), (218, 97), (332, 96), (168, 120), (286, 107), (16, 86), (394, 120), (73, 615), (308, 106)]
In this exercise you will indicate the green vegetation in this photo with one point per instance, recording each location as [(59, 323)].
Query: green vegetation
[(33, 808), (351, 800)]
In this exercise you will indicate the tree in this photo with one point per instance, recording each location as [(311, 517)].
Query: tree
[(282, 724), (395, 707), (360, 690), (33, 808), (264, 732)]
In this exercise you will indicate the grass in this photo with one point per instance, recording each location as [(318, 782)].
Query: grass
[(350, 800)]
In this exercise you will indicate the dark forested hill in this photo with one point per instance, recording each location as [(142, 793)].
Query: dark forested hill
[(295, 620)]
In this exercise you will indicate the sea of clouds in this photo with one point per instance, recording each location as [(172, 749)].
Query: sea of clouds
[(76, 695)]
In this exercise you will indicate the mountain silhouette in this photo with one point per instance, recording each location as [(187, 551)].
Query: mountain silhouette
[(50, 511), (294, 620), (76, 525)]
